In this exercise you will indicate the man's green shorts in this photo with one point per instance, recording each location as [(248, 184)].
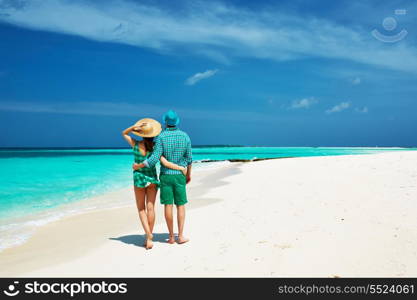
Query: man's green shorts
[(173, 189)]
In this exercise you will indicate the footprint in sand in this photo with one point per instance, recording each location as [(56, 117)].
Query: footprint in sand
[(223, 249), (282, 247)]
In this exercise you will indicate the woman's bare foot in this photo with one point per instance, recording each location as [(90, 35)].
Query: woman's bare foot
[(146, 240), (171, 239), (149, 242), (182, 240)]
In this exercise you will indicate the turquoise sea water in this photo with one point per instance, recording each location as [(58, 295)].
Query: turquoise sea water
[(35, 181)]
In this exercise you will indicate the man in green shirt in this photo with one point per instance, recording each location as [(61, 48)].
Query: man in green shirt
[(175, 146)]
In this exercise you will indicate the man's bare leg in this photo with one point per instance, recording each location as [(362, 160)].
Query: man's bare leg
[(170, 222), (181, 221)]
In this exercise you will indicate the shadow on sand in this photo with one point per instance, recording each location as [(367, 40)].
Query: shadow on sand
[(138, 240), (198, 200)]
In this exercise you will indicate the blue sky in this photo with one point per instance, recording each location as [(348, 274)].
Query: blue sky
[(273, 73)]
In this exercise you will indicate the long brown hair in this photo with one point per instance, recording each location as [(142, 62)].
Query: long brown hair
[(148, 142)]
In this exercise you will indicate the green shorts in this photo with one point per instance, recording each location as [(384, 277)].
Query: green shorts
[(173, 189)]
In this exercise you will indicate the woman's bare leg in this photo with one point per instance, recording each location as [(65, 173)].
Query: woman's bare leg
[(140, 195), (150, 205)]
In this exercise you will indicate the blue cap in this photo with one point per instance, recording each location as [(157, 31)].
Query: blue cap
[(171, 118)]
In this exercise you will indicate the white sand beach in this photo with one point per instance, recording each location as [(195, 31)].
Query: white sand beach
[(346, 216)]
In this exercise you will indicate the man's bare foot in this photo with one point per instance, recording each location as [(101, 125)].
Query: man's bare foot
[(171, 239), (182, 240)]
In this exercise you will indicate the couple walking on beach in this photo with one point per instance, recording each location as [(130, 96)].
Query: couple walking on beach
[(172, 147)]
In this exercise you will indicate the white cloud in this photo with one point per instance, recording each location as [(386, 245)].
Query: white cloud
[(363, 110), (356, 81), (215, 30), (303, 103), (338, 108), (199, 76)]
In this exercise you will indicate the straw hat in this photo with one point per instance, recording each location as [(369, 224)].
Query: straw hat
[(148, 128)]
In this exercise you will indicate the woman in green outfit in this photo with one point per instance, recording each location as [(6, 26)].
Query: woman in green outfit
[(145, 180)]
